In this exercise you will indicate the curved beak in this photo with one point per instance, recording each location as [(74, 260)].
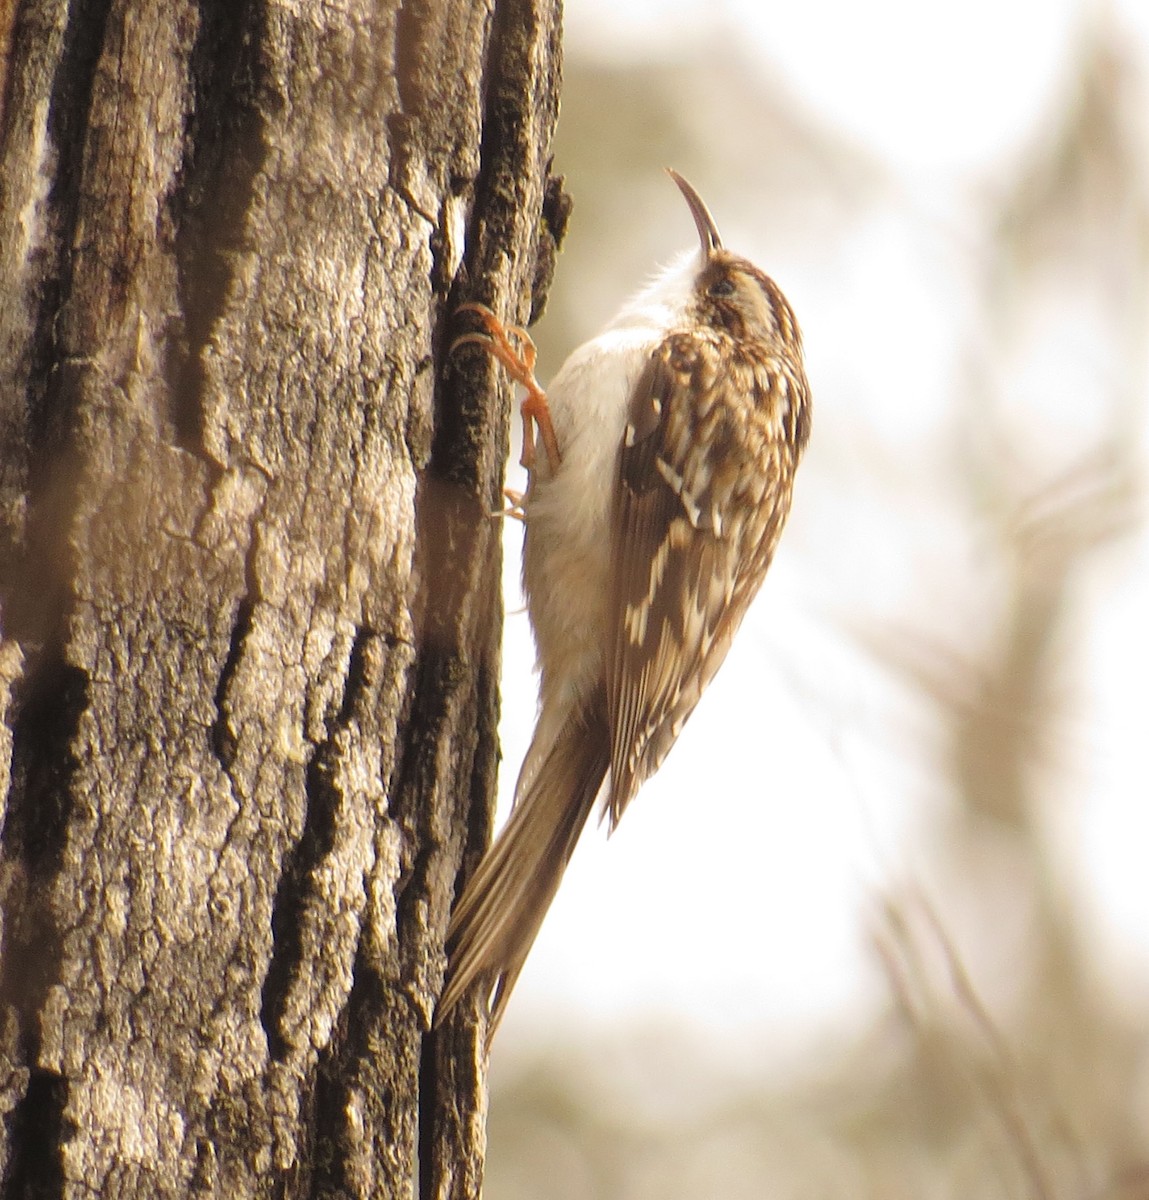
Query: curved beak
[(708, 233)]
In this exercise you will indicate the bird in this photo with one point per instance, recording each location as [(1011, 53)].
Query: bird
[(669, 445)]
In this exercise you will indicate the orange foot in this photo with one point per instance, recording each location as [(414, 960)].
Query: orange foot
[(516, 505), (512, 346)]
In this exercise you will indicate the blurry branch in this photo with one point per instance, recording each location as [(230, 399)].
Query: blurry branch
[(1048, 540), (985, 1057), (1002, 719), (1083, 509), (1075, 231), (1001, 709), (1082, 196)]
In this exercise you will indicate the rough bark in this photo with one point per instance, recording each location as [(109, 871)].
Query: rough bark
[(251, 612)]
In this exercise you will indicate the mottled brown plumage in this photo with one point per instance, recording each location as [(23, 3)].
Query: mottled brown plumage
[(720, 421), (677, 433)]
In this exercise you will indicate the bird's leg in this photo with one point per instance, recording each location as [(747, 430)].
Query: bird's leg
[(513, 347), (515, 508)]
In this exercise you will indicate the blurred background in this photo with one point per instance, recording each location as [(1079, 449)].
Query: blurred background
[(880, 926)]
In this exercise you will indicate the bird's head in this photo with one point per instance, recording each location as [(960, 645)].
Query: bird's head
[(728, 291)]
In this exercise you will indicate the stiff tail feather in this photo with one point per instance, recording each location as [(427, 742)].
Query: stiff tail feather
[(503, 904)]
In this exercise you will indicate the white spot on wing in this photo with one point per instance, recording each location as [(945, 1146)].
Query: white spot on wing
[(671, 476), (636, 616)]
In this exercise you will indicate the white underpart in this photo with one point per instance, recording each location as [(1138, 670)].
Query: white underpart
[(567, 559)]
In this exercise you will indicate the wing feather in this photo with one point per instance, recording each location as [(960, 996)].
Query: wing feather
[(705, 473)]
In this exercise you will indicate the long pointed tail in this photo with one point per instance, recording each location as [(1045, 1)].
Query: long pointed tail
[(504, 902)]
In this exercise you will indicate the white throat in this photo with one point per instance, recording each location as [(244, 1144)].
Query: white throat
[(662, 303)]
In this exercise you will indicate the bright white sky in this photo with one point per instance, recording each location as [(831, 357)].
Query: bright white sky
[(807, 762)]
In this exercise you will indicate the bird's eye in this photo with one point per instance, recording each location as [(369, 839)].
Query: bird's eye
[(722, 286)]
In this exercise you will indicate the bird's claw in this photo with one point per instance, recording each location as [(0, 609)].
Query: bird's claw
[(515, 509), (512, 346)]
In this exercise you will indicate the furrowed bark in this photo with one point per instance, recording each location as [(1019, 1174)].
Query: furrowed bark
[(250, 604)]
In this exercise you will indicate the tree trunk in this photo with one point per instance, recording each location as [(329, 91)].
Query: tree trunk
[(251, 609)]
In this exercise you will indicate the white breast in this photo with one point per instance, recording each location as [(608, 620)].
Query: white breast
[(566, 559)]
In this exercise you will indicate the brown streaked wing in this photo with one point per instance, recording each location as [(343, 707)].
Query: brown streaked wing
[(693, 531)]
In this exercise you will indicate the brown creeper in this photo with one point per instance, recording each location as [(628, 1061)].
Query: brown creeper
[(671, 444)]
